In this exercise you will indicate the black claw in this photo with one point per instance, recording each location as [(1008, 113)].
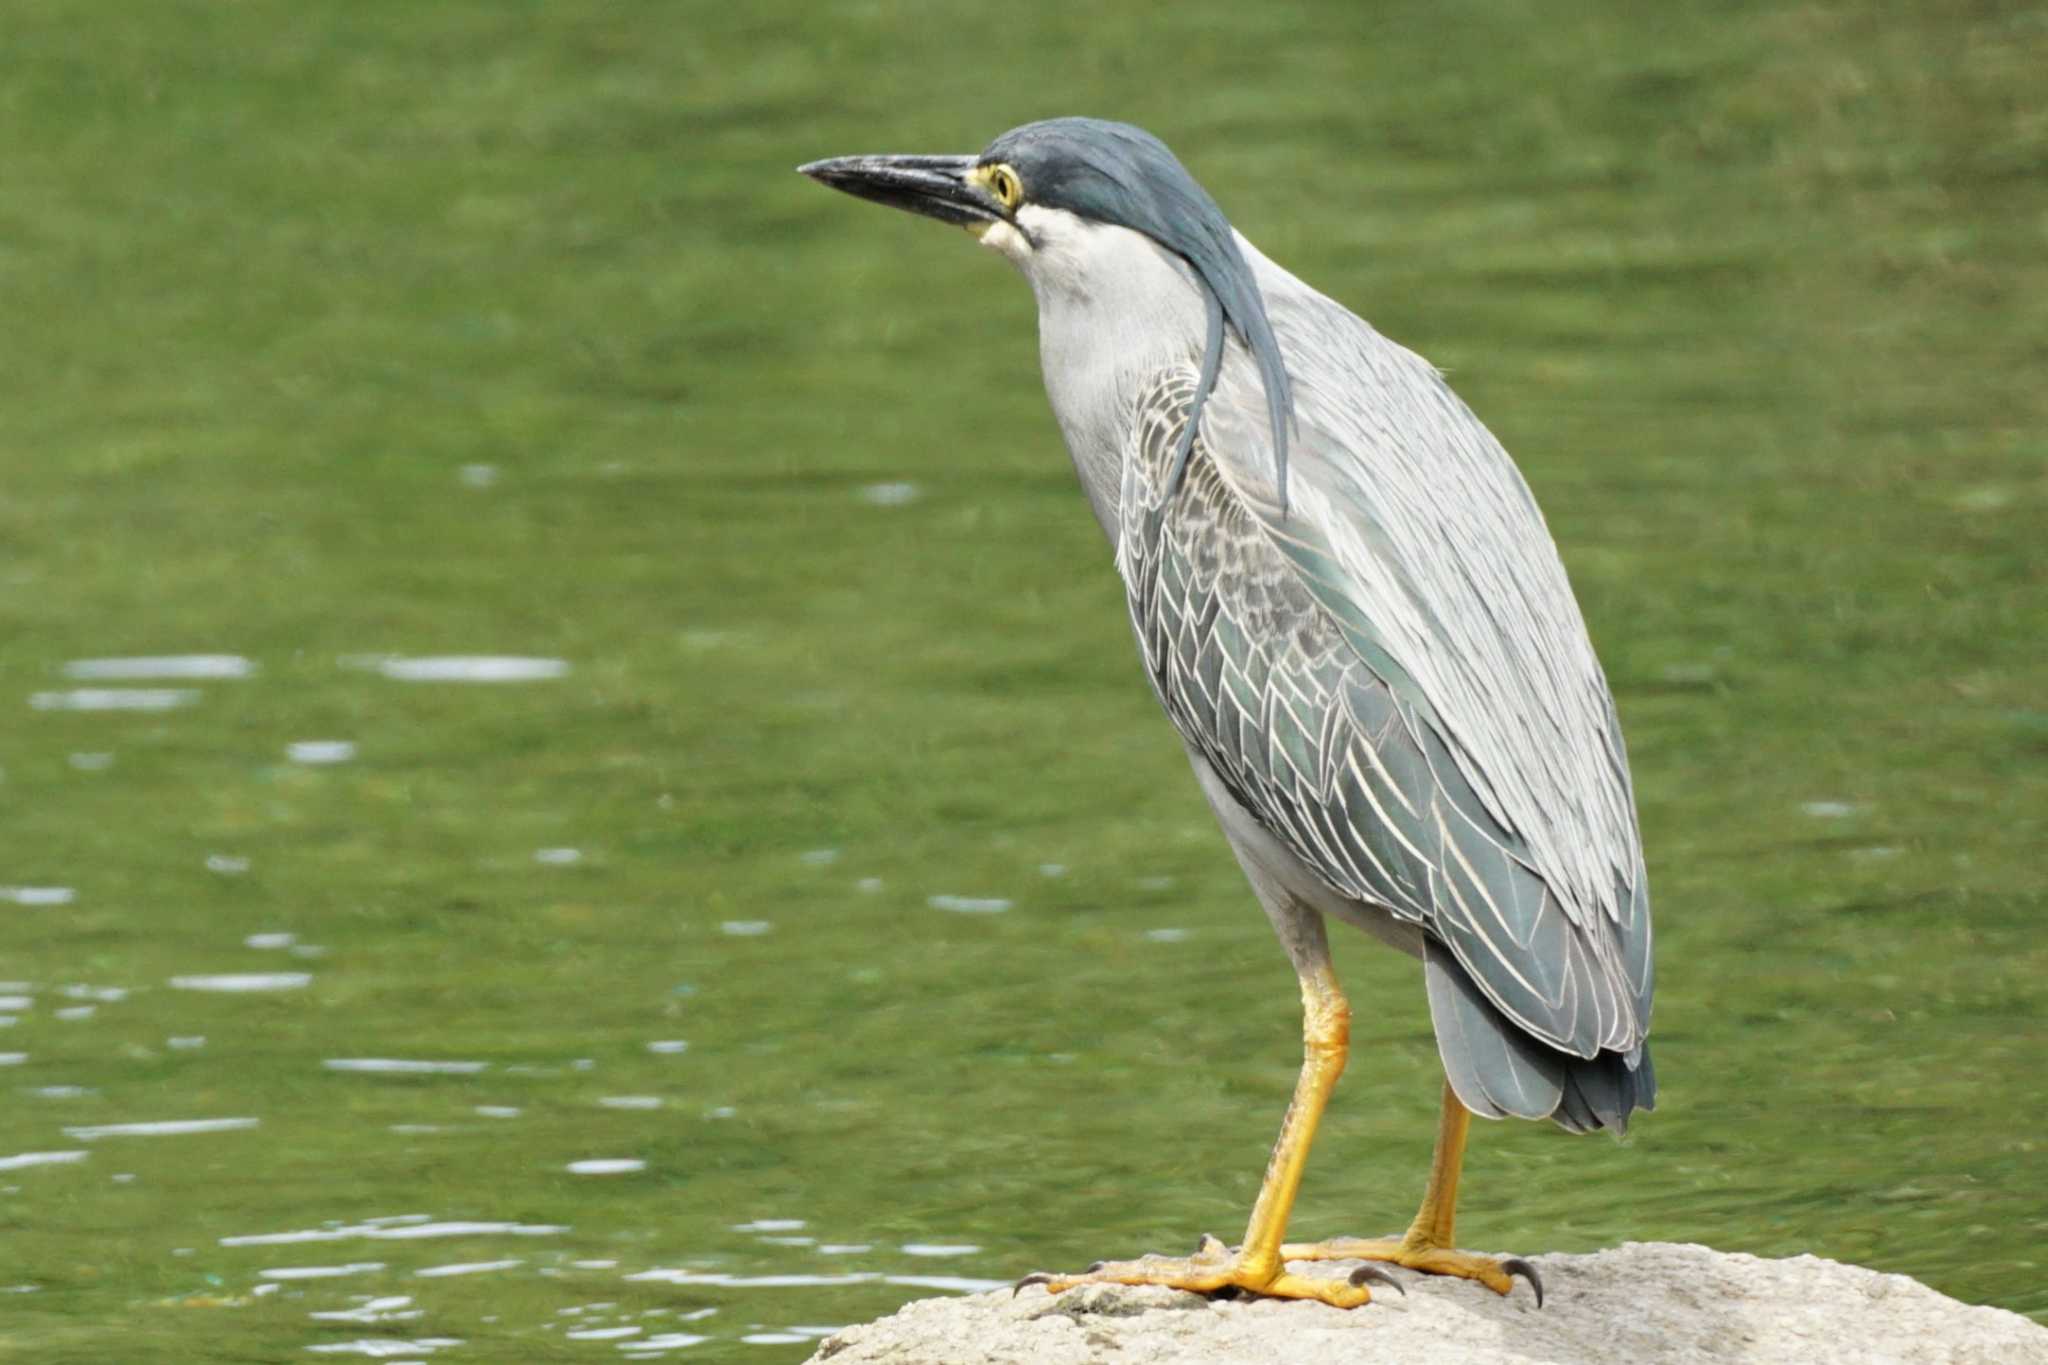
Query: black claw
[(1515, 1265), (1035, 1277), (1372, 1274), (1094, 1266)]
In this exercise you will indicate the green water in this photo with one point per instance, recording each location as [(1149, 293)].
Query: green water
[(335, 333)]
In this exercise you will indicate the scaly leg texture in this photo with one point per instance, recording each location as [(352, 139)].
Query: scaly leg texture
[(1430, 1243), (1258, 1266)]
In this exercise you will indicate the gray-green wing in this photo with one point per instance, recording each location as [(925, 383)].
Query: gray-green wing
[(1271, 652)]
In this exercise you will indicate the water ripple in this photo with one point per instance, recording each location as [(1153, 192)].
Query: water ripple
[(969, 905), (385, 1348), (242, 982), (25, 1159), (467, 1268), (38, 895), (159, 1128), (473, 668), (401, 1228), (115, 699), (161, 666)]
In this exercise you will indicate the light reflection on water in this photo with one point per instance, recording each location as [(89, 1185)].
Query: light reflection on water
[(390, 1308), (467, 1268), (781, 1257), (115, 699), (473, 668), (160, 666), (160, 1128), (317, 752), (386, 1348), (637, 1329), (394, 1228), (38, 895), (233, 982), (26, 1159)]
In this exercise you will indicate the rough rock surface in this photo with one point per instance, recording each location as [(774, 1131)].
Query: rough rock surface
[(1642, 1302)]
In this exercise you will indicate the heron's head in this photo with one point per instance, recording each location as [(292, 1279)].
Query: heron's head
[(1059, 197)]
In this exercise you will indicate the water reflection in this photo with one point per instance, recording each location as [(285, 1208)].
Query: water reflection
[(236, 982), (636, 1331), (161, 666), (666, 1341), (969, 905), (386, 1348), (26, 1159), (394, 1227), (115, 699), (467, 1268), (389, 1308), (38, 895), (315, 752), (473, 668), (160, 1128)]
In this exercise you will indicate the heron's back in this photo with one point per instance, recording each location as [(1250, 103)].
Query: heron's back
[(1268, 653)]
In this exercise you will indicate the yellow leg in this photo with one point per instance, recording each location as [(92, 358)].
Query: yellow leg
[(1258, 1266), (1430, 1244)]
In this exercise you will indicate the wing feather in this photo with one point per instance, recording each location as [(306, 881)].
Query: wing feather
[(1398, 689)]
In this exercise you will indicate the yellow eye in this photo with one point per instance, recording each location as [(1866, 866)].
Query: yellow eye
[(1004, 185)]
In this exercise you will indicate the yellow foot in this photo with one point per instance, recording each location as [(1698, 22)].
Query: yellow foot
[(1215, 1267), (1497, 1275)]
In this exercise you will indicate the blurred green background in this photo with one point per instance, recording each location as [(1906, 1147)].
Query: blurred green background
[(331, 332)]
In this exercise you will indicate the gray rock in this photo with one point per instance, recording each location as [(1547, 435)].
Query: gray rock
[(1642, 1302)]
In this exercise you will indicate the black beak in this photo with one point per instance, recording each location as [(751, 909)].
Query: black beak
[(935, 186)]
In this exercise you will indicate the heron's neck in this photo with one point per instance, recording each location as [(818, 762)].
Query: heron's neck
[(1113, 310)]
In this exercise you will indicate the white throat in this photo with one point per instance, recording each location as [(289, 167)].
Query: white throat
[(1114, 308)]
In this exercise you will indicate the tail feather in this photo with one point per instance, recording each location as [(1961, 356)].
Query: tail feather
[(1498, 1070)]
